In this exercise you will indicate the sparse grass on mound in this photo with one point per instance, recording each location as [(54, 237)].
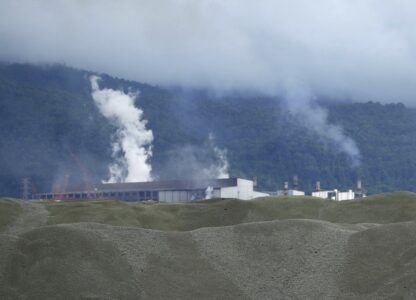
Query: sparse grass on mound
[(187, 216), (106, 211), (9, 211), (148, 215), (383, 208), (296, 207), (63, 263)]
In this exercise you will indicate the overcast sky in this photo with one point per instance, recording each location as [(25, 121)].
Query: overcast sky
[(358, 49)]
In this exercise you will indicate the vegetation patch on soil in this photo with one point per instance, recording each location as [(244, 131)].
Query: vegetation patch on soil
[(274, 248), (9, 211), (380, 209)]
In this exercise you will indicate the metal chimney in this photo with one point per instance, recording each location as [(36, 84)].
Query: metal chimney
[(359, 185), (318, 186), (295, 182), (286, 186), (26, 188)]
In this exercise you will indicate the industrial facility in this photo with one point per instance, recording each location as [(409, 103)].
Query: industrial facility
[(163, 191), (174, 191), (338, 195), (295, 191), (331, 194)]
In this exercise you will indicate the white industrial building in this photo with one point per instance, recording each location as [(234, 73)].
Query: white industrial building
[(236, 188), (291, 192), (338, 195), (164, 191), (335, 195)]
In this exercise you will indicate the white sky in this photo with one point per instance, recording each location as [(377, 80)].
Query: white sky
[(358, 49)]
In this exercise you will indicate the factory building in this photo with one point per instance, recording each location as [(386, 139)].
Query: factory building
[(295, 191), (290, 192), (338, 195), (163, 191), (335, 195)]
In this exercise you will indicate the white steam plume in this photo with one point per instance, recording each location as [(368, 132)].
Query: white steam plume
[(198, 162), (359, 50), (220, 169), (132, 147), (209, 193), (300, 102)]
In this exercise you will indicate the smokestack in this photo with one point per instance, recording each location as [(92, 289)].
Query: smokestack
[(286, 188), (254, 181), (26, 188), (295, 182), (318, 186), (359, 185)]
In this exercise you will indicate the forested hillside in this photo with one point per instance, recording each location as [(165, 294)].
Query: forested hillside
[(52, 132)]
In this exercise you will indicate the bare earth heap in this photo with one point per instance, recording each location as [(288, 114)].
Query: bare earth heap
[(362, 249)]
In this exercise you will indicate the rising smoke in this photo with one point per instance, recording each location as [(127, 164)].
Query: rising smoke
[(346, 49), (220, 167), (301, 102), (201, 162), (132, 145)]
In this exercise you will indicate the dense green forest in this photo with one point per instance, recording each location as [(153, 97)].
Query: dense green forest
[(51, 131)]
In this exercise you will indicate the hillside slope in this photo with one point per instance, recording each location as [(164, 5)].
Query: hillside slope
[(381, 209), (291, 259), (271, 249), (51, 132), (9, 211)]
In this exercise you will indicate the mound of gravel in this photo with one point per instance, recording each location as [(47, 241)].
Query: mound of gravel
[(290, 259), (381, 263), (63, 263)]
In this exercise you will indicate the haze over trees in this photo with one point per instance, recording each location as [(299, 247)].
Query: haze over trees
[(51, 131)]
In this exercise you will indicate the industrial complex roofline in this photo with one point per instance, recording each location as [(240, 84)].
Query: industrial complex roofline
[(152, 185), (165, 191)]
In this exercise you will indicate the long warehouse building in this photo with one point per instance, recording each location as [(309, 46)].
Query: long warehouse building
[(163, 191)]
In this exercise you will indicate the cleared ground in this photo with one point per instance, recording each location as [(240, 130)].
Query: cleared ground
[(372, 257)]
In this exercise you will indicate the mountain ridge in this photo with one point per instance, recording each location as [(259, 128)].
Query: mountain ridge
[(50, 129)]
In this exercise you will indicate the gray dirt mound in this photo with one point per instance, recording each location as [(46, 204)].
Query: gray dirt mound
[(290, 259), (293, 259), (64, 263), (380, 209), (381, 263)]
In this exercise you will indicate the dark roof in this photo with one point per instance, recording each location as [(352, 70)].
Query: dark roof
[(169, 185)]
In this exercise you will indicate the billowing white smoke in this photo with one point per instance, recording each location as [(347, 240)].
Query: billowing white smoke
[(132, 145), (357, 50), (198, 162), (220, 169), (209, 193)]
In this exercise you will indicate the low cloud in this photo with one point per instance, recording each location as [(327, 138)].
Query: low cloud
[(359, 50), (362, 50)]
